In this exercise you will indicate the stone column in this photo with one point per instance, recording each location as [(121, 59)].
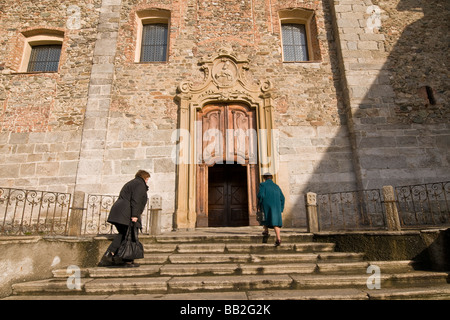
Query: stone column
[(392, 218), (311, 212), (76, 214), (182, 190), (93, 140)]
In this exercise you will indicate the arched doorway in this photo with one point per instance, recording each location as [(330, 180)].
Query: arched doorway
[(220, 122)]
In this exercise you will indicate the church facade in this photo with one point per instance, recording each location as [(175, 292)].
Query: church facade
[(207, 96)]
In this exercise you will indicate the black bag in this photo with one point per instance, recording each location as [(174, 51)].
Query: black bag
[(260, 217), (131, 248)]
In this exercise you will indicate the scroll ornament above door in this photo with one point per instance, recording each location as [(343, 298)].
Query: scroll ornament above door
[(226, 78)]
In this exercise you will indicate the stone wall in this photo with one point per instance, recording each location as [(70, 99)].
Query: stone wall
[(369, 110), (308, 107), (41, 114), (390, 52), (44, 161)]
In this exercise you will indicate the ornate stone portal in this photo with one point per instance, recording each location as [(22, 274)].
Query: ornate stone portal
[(220, 123)]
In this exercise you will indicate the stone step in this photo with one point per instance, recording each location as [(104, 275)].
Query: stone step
[(309, 294), (146, 296), (180, 284), (250, 258), (191, 270), (397, 266), (238, 248), (421, 293), (359, 267), (223, 283), (416, 278), (138, 285), (299, 281), (238, 269), (143, 271), (401, 266), (225, 235), (440, 292), (48, 286), (127, 285)]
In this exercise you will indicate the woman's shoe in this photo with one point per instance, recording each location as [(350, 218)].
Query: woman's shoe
[(277, 243), (131, 264), (107, 260)]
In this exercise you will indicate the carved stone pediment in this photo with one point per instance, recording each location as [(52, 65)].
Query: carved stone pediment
[(226, 78)]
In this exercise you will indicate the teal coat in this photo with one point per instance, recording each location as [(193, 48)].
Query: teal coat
[(271, 200)]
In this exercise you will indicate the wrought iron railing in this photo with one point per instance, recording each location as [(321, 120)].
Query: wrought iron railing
[(351, 210), (30, 212), (424, 204), (97, 211), (418, 206)]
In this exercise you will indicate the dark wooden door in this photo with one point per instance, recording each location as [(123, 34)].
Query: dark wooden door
[(227, 196)]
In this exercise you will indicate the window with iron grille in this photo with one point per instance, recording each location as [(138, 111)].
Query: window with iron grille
[(154, 43), (44, 58), (295, 47)]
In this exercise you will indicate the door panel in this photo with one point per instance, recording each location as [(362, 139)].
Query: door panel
[(227, 172)]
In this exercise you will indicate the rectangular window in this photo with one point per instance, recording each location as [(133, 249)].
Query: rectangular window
[(44, 58), (295, 47), (154, 43)]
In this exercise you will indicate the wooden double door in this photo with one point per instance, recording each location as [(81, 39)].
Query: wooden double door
[(227, 196), (227, 175)]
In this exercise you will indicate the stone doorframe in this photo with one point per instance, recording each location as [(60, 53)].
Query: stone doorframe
[(226, 80)]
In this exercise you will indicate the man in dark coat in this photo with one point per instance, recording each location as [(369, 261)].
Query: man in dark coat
[(128, 208), (271, 200)]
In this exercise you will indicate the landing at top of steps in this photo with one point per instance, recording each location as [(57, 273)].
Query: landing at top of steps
[(224, 234)]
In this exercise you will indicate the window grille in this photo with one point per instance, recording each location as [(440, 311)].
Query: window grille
[(154, 43), (44, 58), (295, 46)]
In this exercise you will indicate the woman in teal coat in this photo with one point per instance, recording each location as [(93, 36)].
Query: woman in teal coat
[(271, 201)]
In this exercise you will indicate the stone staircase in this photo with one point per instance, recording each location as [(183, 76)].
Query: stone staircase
[(237, 265)]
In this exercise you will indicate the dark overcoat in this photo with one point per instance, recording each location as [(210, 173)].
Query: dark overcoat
[(131, 202), (271, 199)]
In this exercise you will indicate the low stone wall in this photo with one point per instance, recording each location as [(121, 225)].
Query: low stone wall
[(33, 258), (430, 247)]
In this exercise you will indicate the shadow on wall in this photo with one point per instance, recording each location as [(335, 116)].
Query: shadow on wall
[(396, 97), (437, 252), (400, 126)]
